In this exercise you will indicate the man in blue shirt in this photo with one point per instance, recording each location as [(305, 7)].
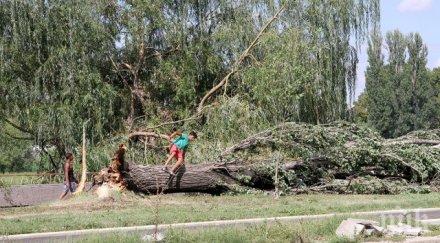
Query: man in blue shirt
[(179, 144)]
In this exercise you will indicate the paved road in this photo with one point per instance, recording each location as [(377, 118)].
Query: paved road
[(149, 229), (26, 195)]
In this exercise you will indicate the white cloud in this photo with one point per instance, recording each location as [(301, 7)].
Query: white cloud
[(414, 5)]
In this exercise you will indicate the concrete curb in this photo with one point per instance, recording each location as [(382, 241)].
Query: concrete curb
[(148, 229), (427, 239)]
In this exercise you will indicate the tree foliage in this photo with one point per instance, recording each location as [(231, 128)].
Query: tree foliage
[(343, 157), (401, 92), (127, 64)]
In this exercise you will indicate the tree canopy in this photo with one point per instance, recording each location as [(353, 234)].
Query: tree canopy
[(125, 65), (402, 92)]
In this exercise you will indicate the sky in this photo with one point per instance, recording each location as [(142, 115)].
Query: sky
[(422, 16)]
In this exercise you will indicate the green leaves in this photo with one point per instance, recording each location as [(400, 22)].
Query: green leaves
[(400, 92), (146, 62), (53, 57)]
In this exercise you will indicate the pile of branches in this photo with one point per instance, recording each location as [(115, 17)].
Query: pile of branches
[(344, 158)]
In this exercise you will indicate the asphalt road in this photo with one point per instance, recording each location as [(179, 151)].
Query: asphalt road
[(27, 195)]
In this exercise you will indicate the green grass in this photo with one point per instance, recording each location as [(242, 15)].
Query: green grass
[(306, 231), (87, 211), (25, 178)]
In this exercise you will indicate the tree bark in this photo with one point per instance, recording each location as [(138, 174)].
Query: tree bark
[(205, 178), (82, 182)]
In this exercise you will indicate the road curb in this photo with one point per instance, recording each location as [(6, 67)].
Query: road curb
[(148, 229)]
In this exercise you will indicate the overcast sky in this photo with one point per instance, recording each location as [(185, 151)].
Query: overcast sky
[(421, 16)]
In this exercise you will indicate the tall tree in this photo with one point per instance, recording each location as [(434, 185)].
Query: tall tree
[(380, 110), (51, 62), (430, 110), (399, 90), (116, 62), (420, 83), (309, 62)]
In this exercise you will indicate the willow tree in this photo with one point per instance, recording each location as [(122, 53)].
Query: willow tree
[(172, 53), (187, 46), (63, 63), (310, 59), (52, 58)]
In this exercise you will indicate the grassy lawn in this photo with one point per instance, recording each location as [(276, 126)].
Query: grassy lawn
[(310, 231), (307, 231), (25, 178), (127, 209)]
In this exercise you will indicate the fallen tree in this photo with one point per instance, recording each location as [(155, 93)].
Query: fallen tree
[(207, 178), (338, 158)]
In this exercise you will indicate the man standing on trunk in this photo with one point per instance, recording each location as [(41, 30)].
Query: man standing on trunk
[(179, 144), (70, 182)]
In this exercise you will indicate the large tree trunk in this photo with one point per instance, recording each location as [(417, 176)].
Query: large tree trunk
[(207, 178)]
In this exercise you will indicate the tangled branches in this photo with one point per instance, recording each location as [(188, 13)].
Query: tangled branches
[(343, 157)]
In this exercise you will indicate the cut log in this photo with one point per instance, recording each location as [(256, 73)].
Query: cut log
[(212, 178)]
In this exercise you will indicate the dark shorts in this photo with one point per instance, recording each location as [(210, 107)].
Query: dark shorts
[(70, 188)]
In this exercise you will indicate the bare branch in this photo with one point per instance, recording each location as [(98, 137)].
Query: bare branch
[(16, 137), (237, 63), (128, 66), (22, 129), (148, 134)]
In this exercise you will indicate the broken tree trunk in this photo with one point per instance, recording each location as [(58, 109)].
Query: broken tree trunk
[(205, 178), (82, 183)]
